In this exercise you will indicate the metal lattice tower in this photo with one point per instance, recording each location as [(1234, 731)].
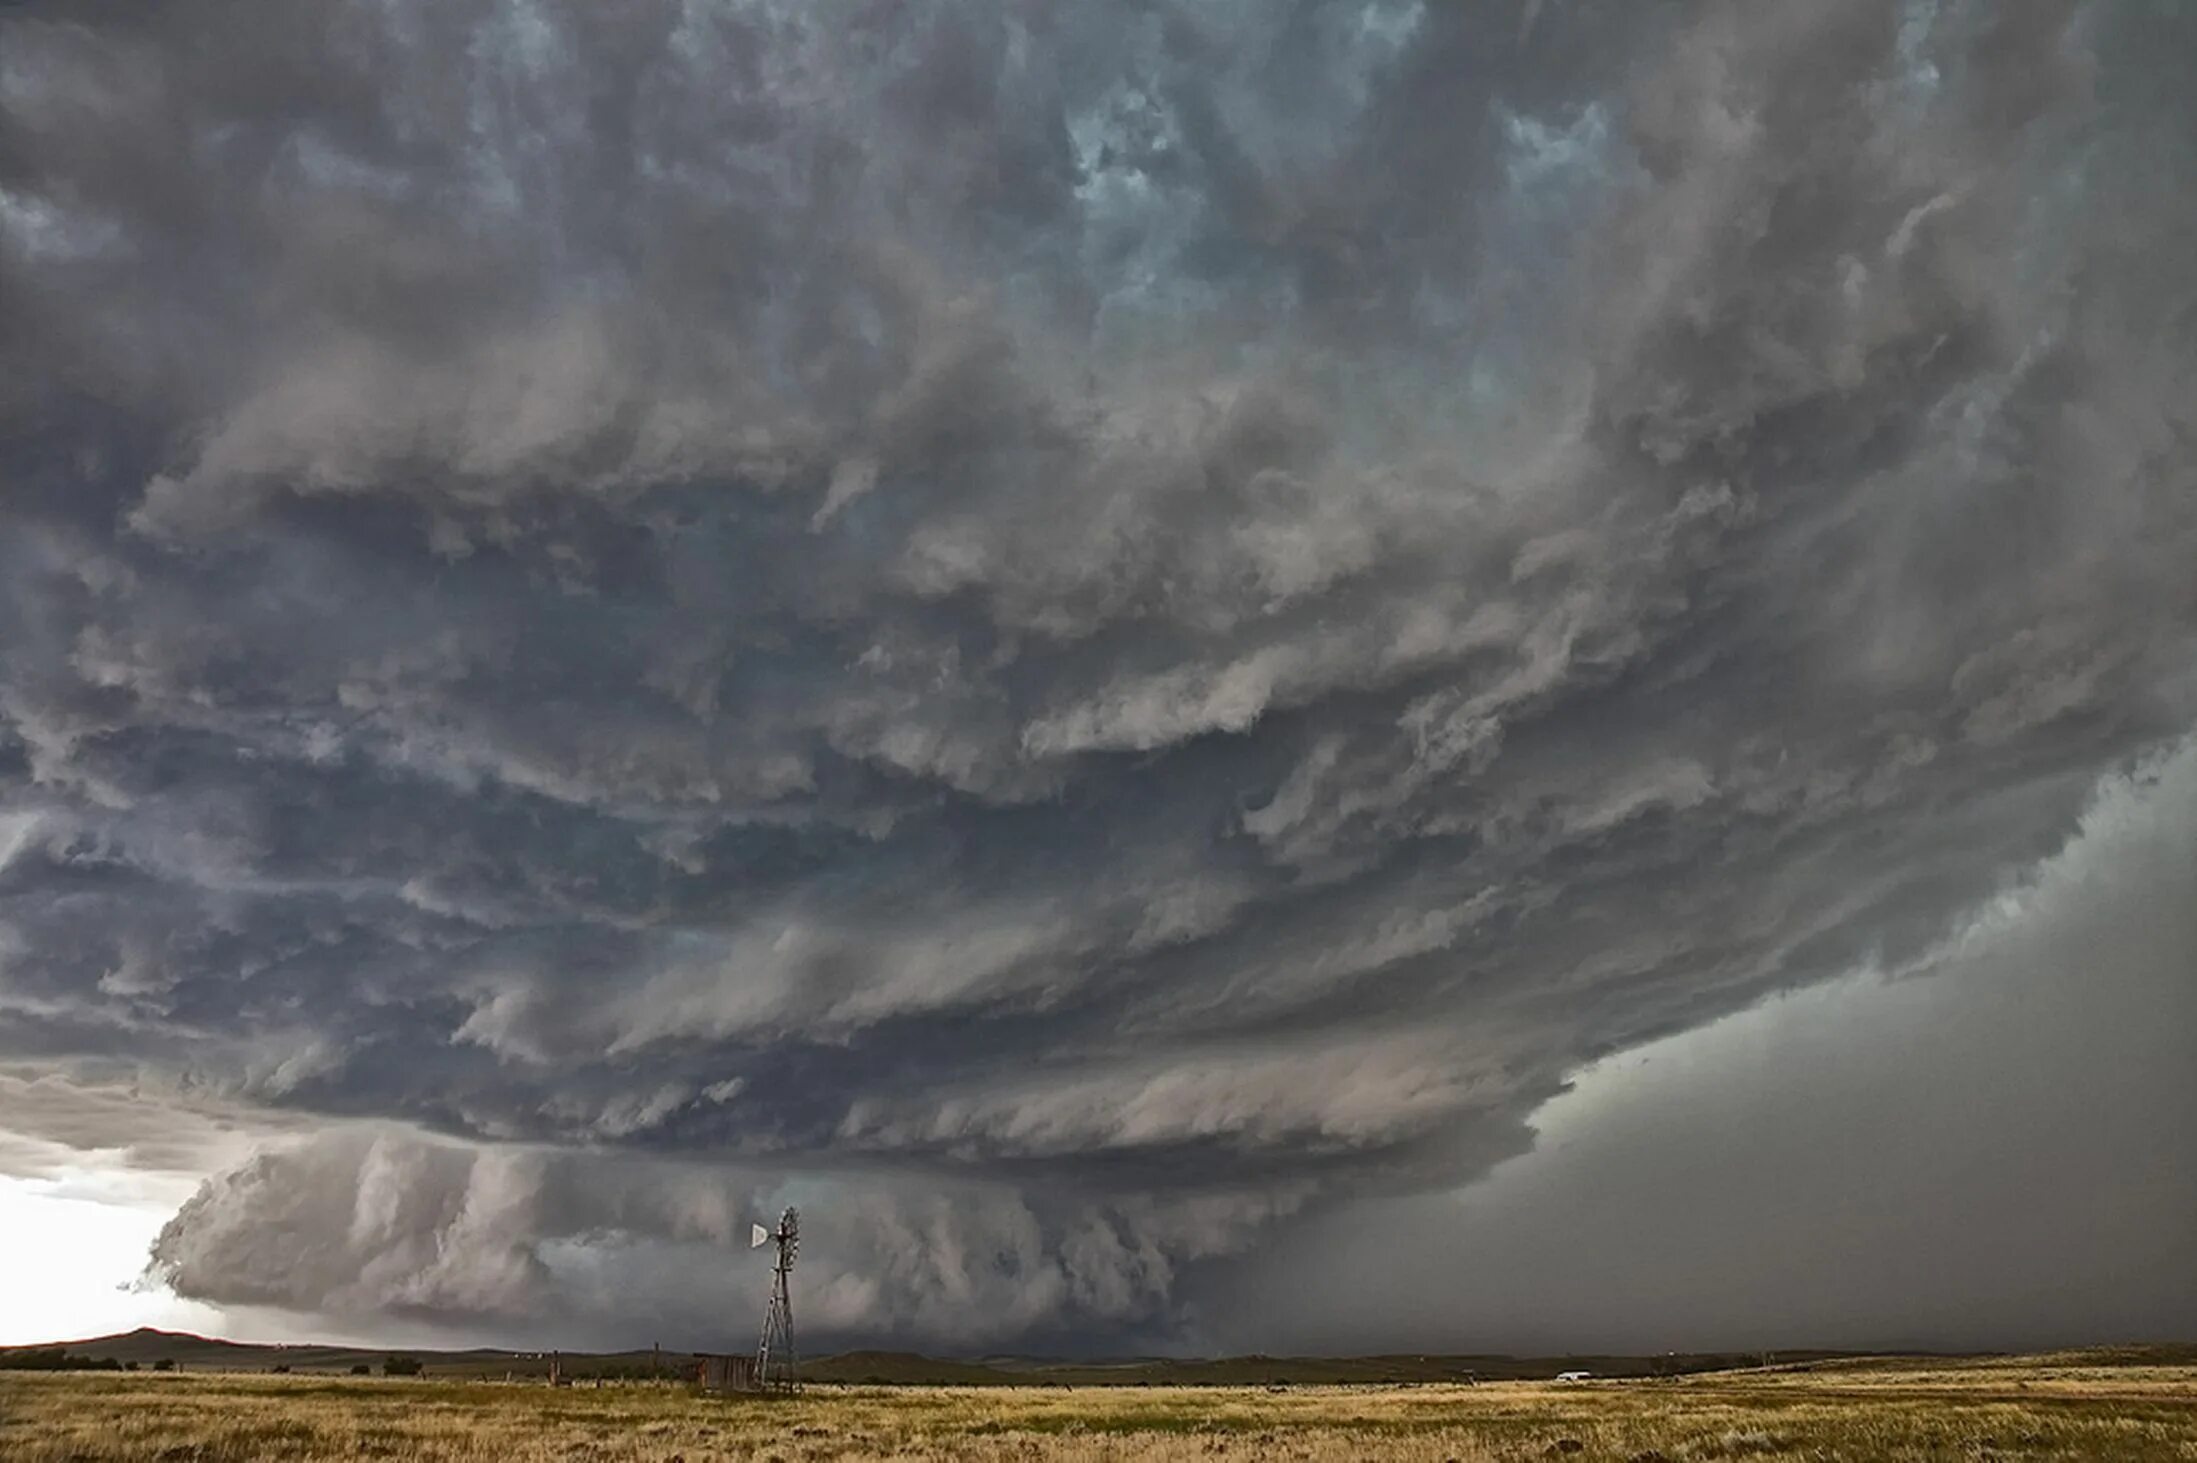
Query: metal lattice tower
[(776, 1361)]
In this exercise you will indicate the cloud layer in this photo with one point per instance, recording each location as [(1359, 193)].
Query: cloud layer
[(1067, 632), (1987, 1149)]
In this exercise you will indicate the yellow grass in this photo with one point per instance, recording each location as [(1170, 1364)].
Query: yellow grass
[(2042, 1408)]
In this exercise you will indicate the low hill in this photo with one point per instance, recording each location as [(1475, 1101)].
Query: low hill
[(148, 1348), (185, 1352)]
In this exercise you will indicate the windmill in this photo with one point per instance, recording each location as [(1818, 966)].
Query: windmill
[(775, 1359)]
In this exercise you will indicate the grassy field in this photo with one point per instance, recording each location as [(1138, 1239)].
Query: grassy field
[(2075, 1406)]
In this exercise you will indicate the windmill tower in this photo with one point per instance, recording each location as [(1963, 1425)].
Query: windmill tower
[(775, 1359)]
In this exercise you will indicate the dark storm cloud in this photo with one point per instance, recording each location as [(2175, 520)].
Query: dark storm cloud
[(55, 1124), (1117, 621), (1987, 1150)]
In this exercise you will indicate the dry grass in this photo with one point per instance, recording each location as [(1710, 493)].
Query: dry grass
[(2047, 1408)]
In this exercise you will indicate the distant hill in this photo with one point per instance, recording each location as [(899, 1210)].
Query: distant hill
[(148, 1347)]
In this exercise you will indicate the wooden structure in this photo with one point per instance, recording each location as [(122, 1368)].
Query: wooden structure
[(726, 1374)]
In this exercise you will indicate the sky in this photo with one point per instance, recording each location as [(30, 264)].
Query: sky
[(1216, 677)]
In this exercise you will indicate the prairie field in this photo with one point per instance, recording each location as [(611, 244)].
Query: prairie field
[(2076, 1406)]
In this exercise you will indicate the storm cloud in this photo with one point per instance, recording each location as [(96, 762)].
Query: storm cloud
[(1986, 1148), (1069, 634)]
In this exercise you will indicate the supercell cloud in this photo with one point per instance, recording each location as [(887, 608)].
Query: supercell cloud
[(1072, 635)]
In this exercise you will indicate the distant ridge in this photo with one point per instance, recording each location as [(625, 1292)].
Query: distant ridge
[(147, 1346), (189, 1352)]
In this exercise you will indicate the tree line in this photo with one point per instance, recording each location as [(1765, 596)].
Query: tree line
[(61, 1359)]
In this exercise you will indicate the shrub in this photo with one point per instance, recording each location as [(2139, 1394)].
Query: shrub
[(361, 1369), (165, 1364), (400, 1366), (54, 1359), (42, 1359)]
